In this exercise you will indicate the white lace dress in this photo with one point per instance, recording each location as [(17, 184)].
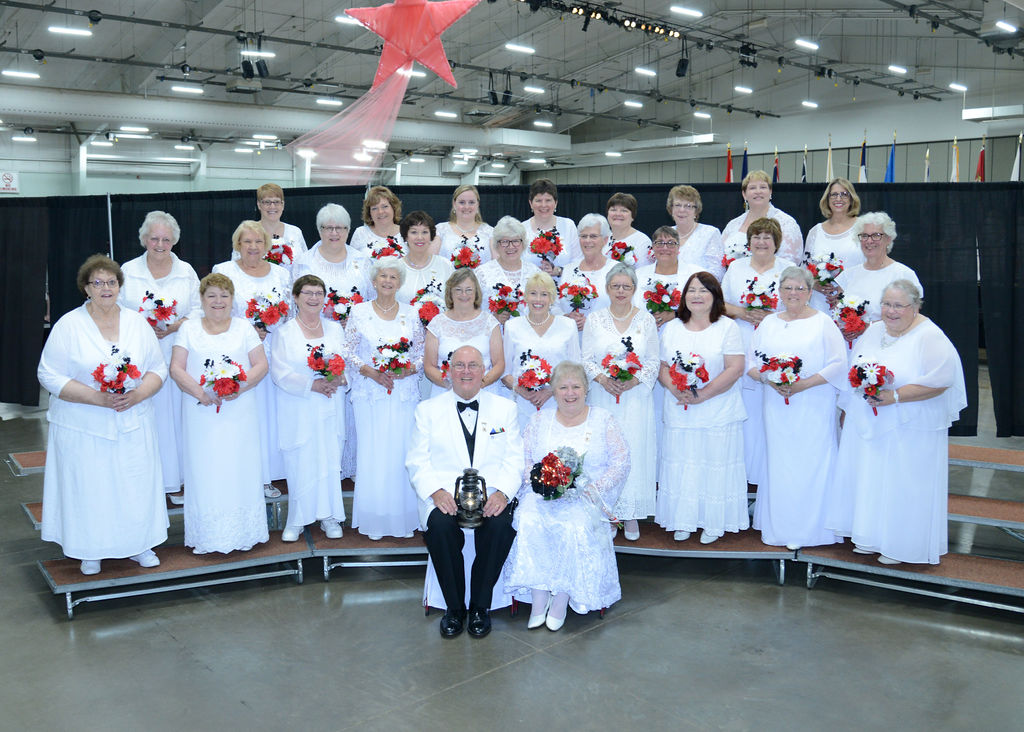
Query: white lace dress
[(792, 246), (452, 241), (800, 437), (182, 285), (363, 239), (635, 410), (642, 253), (560, 342), (312, 426), (598, 278), (348, 277), (224, 504), (892, 473), (384, 503), (733, 286), (451, 334), (246, 288), (492, 277), (844, 246), (565, 545), (703, 248), (702, 482)]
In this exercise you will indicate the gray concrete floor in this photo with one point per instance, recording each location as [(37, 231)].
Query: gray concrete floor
[(694, 644)]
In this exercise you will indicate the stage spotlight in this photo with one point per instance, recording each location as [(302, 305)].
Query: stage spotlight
[(247, 72), (492, 95), (39, 56), (682, 66), (94, 16), (261, 68)]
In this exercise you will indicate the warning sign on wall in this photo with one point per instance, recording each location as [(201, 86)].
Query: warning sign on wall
[(8, 181)]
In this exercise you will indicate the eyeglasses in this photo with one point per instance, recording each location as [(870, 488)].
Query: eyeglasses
[(311, 293), (838, 194), (790, 289), (589, 237), (622, 288), (509, 242), (876, 236), (665, 243), (333, 229), (898, 307), (685, 205), (271, 202), (100, 284)]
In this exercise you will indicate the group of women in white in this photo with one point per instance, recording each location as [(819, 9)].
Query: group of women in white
[(721, 359)]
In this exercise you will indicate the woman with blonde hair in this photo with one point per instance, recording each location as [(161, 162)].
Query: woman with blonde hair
[(465, 226)]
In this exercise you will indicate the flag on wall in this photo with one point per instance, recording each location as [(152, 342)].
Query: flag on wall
[(744, 171), (979, 173), (954, 173), (728, 163), (803, 169), (927, 164), (829, 172), (775, 171), (862, 174), (890, 168), (1015, 171)]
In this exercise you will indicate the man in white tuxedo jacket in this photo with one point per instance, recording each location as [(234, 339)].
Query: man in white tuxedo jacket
[(466, 428)]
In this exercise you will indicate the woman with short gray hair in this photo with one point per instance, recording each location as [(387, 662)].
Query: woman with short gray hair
[(593, 269), (503, 279), (620, 355), (804, 346)]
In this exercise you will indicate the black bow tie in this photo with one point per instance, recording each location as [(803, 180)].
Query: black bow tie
[(463, 406)]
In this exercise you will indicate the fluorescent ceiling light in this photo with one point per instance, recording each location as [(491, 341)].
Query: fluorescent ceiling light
[(519, 48), (250, 143), (346, 20), (263, 136), (132, 128), (957, 87), (375, 144), (23, 138), (1001, 25), (458, 162), (468, 150), (412, 72), (809, 45), (258, 54), (497, 165), (64, 30), (328, 102), (702, 115), (101, 143), (744, 89), (132, 136), (20, 74), (417, 160), (243, 149), (809, 104), (187, 89), (897, 69), (184, 147), (491, 174), (446, 114), (537, 152), (306, 154), (633, 103), (535, 161), (362, 157), (533, 90), (542, 123), (177, 160), (689, 12), (644, 71), (613, 154)]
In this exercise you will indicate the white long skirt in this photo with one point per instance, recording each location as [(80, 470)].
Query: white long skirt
[(103, 499), (635, 415), (313, 470), (167, 413), (754, 452), (702, 483)]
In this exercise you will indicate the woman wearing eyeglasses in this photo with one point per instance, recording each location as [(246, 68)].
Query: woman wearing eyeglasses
[(699, 244), (876, 233), (270, 202), (840, 205), (793, 498), (507, 272)]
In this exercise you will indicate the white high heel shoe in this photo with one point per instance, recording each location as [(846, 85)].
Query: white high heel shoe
[(539, 619)]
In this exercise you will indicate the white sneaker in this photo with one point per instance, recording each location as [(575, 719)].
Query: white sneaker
[(681, 535), (882, 559), (269, 491), (178, 499), (291, 533), (706, 538), (91, 566), (331, 527), (147, 559)]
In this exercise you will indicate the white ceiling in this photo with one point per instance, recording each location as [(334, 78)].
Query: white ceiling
[(138, 49)]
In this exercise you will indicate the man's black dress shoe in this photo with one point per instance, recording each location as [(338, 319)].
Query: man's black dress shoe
[(452, 623), (479, 622)]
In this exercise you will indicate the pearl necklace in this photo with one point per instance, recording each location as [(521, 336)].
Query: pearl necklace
[(535, 324), (410, 265), (384, 311), (627, 316), (306, 325)]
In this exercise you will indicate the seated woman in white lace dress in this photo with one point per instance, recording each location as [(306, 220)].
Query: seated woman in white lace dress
[(563, 551), (463, 323)]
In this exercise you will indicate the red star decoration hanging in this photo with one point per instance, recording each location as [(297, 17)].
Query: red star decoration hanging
[(412, 30)]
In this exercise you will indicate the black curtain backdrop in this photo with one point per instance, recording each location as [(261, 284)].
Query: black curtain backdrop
[(24, 233), (938, 226)]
